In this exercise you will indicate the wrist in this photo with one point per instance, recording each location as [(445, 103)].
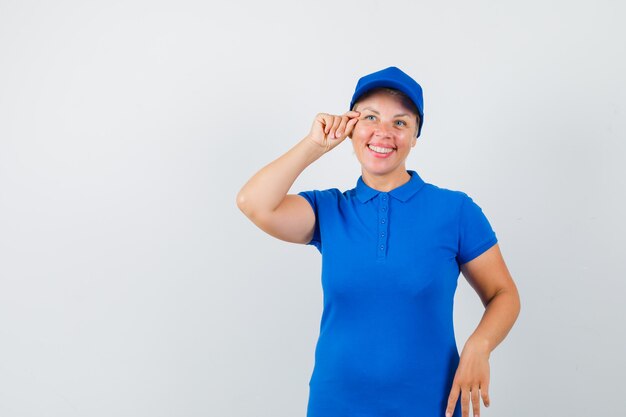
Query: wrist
[(313, 149), (479, 344)]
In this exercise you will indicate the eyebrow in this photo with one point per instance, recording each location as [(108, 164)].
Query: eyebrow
[(374, 111)]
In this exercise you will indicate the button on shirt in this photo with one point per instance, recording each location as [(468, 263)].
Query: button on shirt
[(390, 264)]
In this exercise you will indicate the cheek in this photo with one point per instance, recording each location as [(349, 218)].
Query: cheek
[(361, 130)]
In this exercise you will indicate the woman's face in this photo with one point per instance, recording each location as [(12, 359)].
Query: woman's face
[(388, 127)]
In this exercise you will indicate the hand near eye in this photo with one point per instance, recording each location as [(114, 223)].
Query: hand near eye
[(471, 378), (330, 130)]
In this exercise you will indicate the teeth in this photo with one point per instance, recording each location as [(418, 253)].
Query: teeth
[(380, 150)]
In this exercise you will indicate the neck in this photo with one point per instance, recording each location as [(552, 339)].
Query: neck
[(386, 182)]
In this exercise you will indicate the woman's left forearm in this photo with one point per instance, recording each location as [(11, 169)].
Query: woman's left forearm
[(498, 319)]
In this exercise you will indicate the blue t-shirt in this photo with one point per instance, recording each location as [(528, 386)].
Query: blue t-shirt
[(390, 264)]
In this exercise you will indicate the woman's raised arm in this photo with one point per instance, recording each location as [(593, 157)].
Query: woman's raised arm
[(264, 199)]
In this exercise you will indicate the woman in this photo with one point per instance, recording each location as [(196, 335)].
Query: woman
[(392, 249)]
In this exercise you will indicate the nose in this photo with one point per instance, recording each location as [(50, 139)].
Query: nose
[(382, 130)]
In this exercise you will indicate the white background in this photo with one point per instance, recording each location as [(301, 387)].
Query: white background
[(131, 284)]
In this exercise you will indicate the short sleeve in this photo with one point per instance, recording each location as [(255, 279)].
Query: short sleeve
[(311, 197), (475, 232)]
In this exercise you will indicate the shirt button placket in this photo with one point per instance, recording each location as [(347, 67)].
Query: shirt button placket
[(383, 223)]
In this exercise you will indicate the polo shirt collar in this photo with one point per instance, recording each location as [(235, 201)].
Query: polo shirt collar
[(364, 192)]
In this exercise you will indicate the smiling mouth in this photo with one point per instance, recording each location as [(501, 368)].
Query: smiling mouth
[(380, 150)]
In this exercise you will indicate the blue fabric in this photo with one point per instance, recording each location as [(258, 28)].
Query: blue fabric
[(390, 264)]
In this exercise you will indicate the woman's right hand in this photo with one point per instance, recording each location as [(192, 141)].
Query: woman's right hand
[(330, 130)]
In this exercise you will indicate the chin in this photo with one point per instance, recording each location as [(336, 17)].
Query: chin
[(379, 170)]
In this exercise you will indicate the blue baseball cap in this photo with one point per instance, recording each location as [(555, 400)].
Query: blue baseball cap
[(392, 77)]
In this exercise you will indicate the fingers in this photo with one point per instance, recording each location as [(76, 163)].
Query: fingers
[(327, 121), (452, 399), (350, 126), (333, 130), (475, 401), (465, 399), (342, 130), (337, 127), (484, 392), (467, 393)]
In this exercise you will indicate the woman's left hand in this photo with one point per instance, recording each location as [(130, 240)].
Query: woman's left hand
[(472, 376)]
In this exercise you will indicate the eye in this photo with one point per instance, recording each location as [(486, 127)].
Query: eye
[(368, 117), (401, 122)]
